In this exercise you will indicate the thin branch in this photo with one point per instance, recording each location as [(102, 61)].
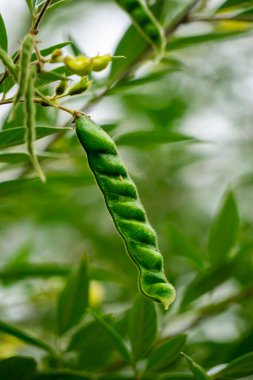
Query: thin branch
[(38, 19)]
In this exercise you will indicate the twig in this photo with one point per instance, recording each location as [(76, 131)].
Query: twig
[(38, 19)]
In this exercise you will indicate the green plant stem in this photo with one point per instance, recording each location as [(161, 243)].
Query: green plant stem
[(43, 101), (34, 30)]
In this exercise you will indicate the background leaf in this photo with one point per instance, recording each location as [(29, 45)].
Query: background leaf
[(142, 326), (73, 300), (3, 35), (18, 367), (224, 229), (166, 353)]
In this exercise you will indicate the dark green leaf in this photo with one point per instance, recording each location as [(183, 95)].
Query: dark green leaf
[(47, 51), (73, 300), (24, 158), (3, 35), (224, 230), (25, 337), (93, 344), (17, 368), (147, 138), (166, 353), (235, 4), (114, 335), (240, 367), (63, 374), (16, 136), (142, 326), (180, 245), (46, 77), (131, 45), (198, 372), (176, 375)]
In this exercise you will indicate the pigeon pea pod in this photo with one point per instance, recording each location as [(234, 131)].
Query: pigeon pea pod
[(123, 203)]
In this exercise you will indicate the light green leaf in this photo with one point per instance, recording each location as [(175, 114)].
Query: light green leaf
[(3, 35), (166, 353), (142, 326), (238, 368), (224, 229), (16, 136), (21, 158), (176, 43), (73, 300), (25, 337), (198, 372), (116, 338), (146, 138), (17, 368), (30, 5)]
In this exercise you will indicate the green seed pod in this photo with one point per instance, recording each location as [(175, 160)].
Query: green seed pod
[(123, 203), (24, 67), (100, 62), (80, 87), (56, 56), (8, 63), (80, 65), (30, 120), (145, 22), (61, 87)]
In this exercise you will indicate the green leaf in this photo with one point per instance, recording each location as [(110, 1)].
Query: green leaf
[(46, 77), (30, 5), (166, 353), (73, 300), (21, 158), (17, 368), (147, 138), (63, 374), (3, 35), (116, 338), (180, 245), (209, 279), (58, 4), (224, 229), (93, 344), (16, 136), (131, 45), (176, 375), (142, 326), (47, 51), (198, 372), (25, 337), (176, 43), (235, 4), (76, 50), (240, 367)]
